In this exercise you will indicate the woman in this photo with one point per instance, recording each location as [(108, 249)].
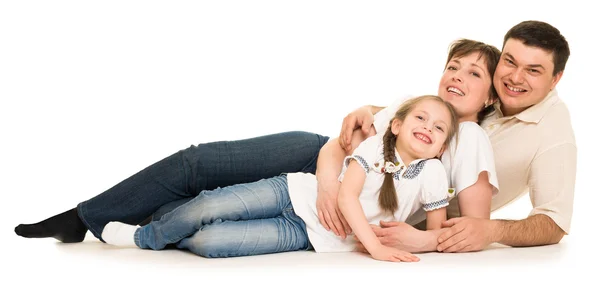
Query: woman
[(186, 173)]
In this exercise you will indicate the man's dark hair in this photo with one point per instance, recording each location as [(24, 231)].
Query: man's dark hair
[(544, 36)]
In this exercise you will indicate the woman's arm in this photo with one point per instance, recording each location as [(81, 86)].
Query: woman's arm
[(476, 200), (329, 167), (352, 210)]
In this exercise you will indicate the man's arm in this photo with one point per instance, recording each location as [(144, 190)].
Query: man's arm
[(551, 182), (535, 230)]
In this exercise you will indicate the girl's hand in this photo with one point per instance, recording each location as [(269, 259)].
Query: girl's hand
[(392, 254)]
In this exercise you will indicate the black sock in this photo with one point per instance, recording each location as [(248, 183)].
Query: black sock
[(65, 227)]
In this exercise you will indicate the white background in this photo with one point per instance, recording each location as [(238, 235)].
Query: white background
[(92, 92)]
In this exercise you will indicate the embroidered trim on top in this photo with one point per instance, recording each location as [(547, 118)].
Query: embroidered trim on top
[(435, 205), (361, 161), (413, 170)]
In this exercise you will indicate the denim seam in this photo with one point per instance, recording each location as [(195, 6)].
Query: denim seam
[(81, 212), (185, 175)]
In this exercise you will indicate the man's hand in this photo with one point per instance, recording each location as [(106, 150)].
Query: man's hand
[(466, 234), (329, 213), (361, 117), (402, 236)]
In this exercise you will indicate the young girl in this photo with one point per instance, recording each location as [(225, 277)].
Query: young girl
[(388, 177)]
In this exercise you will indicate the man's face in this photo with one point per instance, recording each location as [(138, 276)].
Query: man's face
[(523, 76)]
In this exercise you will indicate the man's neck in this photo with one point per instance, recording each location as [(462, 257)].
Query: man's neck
[(512, 111)]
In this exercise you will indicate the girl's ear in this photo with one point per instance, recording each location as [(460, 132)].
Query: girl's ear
[(396, 126), (439, 155)]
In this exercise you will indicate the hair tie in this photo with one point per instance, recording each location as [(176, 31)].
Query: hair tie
[(389, 167)]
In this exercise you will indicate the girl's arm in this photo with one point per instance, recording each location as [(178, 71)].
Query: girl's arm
[(435, 218), (349, 204)]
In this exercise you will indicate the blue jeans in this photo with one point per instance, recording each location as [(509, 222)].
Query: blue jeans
[(188, 172), (239, 220)]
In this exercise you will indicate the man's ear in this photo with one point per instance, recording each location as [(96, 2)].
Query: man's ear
[(439, 155), (556, 79), (396, 126)]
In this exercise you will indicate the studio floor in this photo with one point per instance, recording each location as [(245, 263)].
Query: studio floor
[(94, 261)]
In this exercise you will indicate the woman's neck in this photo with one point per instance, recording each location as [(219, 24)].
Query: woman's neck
[(469, 118)]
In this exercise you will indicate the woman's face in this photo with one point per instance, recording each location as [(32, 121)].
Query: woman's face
[(466, 85)]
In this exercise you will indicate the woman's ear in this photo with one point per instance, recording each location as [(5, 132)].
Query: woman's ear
[(396, 126), (489, 102)]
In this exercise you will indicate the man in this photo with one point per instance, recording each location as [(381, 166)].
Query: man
[(534, 149)]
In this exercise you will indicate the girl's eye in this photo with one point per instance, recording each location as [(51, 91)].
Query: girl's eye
[(439, 128), (420, 117), (476, 74)]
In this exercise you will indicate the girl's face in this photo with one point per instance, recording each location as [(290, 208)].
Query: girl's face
[(423, 132), (466, 85)]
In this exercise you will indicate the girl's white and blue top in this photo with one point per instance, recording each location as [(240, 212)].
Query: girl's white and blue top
[(420, 185), (467, 156)]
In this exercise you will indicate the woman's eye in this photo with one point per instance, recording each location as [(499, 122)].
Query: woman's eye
[(451, 68), (476, 74)]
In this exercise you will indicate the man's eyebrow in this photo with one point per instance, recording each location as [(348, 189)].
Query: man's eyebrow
[(530, 65)]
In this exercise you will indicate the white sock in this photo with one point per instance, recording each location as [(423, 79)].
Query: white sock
[(119, 234)]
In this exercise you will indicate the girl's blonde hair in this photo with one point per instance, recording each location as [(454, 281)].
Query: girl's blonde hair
[(388, 200)]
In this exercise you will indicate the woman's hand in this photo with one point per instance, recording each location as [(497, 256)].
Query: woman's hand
[(361, 117), (392, 254), (328, 211)]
